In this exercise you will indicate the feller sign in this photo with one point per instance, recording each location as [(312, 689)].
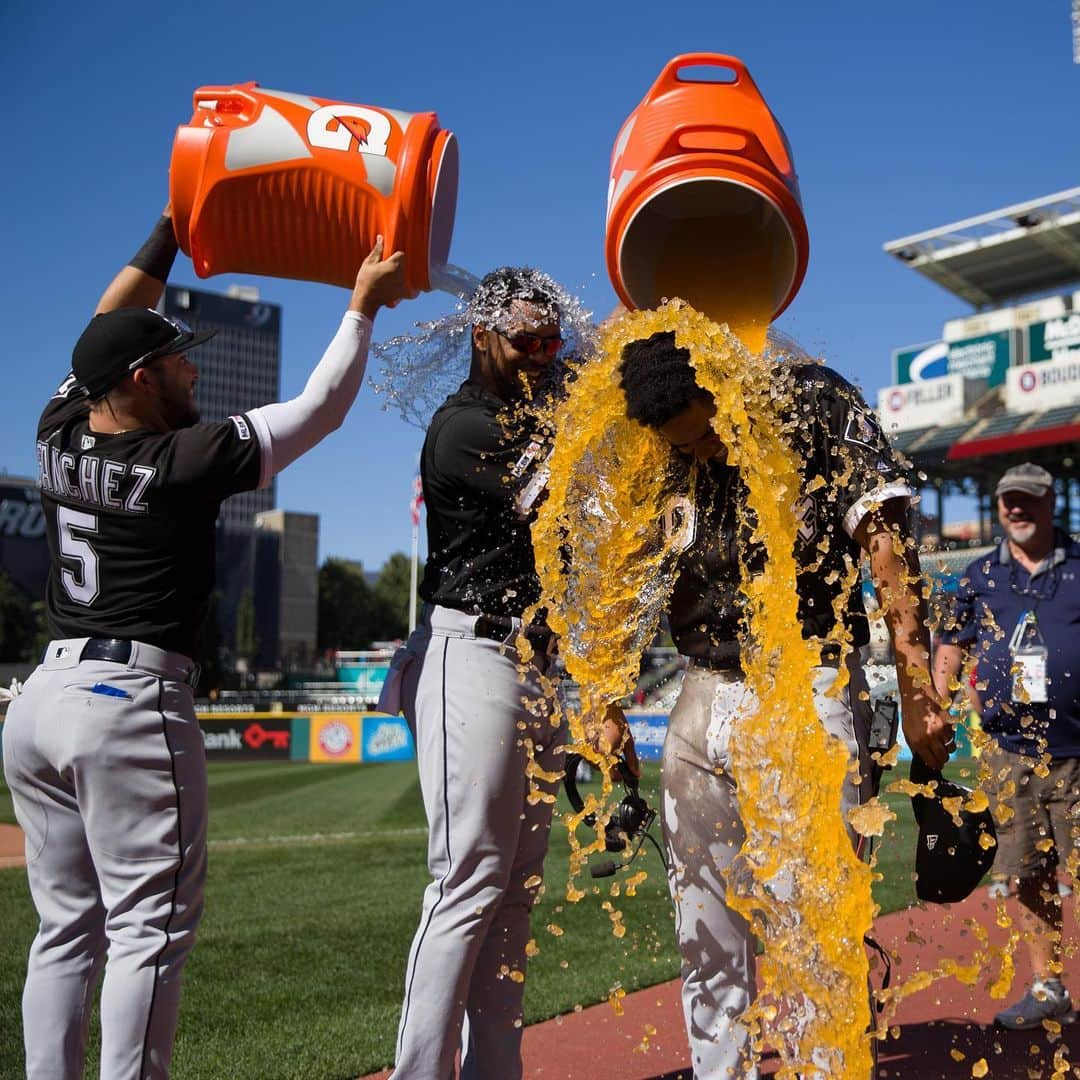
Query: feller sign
[(1036, 387), (922, 404)]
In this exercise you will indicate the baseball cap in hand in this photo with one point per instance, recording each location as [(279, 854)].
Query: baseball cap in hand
[(115, 343), (950, 859), (1032, 479)]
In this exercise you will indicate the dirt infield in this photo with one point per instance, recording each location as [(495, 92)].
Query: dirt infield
[(941, 1033), (12, 850)]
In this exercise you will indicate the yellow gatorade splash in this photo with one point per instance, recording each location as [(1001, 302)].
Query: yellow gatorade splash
[(606, 572), (696, 265)]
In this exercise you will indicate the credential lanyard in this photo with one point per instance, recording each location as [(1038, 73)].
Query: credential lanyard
[(1028, 619)]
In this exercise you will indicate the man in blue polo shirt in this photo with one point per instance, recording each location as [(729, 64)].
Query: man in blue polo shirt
[(1017, 622)]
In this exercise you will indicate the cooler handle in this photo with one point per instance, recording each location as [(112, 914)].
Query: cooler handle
[(241, 102), (669, 77)]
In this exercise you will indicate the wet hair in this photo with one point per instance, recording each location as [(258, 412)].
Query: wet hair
[(494, 295), (657, 379)]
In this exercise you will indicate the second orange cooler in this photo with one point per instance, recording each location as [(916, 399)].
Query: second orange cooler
[(703, 201)]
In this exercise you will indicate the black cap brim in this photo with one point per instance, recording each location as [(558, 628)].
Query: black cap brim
[(175, 348)]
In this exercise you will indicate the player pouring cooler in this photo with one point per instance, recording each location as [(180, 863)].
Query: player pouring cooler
[(102, 750)]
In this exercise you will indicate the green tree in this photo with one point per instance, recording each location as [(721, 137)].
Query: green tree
[(212, 673), (17, 626), (40, 620), (247, 641), (392, 588), (350, 615)]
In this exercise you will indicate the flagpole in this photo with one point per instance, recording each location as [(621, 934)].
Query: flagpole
[(413, 574), (414, 509)]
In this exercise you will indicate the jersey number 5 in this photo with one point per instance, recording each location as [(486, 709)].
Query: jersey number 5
[(81, 584)]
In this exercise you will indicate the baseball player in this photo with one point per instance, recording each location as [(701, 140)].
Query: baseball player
[(476, 717), (102, 751), (860, 508)]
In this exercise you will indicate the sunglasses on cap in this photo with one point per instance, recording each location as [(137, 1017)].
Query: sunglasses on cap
[(530, 344), (183, 338)]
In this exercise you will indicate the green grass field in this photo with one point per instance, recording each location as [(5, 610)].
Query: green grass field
[(316, 873)]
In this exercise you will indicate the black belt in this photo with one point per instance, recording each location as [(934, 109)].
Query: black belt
[(116, 650), (498, 628), (119, 650)]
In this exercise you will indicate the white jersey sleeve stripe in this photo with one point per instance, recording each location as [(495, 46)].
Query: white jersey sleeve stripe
[(898, 489)]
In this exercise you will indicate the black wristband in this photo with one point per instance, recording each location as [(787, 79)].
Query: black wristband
[(157, 255)]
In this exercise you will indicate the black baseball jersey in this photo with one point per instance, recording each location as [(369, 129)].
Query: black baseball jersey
[(130, 521), (837, 439), (478, 453)]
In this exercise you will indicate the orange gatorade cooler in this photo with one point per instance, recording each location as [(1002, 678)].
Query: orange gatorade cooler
[(703, 202), (269, 182)]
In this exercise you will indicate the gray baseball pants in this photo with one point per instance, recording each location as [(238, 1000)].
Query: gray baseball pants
[(471, 711), (110, 789), (703, 834)]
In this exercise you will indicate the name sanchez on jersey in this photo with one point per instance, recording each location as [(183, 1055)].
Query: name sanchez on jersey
[(112, 485)]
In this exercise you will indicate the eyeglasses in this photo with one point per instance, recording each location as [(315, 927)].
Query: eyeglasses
[(529, 344)]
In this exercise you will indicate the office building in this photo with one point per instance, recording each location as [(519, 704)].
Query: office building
[(239, 368)]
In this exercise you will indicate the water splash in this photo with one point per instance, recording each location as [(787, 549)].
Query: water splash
[(419, 370)]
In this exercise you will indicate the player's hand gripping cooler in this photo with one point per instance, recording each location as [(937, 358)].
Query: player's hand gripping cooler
[(270, 182)]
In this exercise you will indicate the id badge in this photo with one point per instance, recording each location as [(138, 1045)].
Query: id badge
[(1029, 675)]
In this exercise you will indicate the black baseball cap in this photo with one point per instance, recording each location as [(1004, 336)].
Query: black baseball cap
[(115, 343), (951, 858)]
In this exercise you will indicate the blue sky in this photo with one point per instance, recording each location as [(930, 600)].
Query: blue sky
[(901, 117)]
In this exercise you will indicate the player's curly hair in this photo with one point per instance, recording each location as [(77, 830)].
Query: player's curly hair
[(657, 379)]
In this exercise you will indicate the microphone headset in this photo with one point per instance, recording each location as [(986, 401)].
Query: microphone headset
[(629, 823)]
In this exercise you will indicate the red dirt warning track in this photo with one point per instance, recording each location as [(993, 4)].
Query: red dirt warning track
[(595, 1044), (12, 846)]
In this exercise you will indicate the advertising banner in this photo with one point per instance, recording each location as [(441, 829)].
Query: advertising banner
[(385, 738), (335, 737), (922, 404), (246, 739), (1055, 339), (1045, 385), (987, 357), (369, 678), (648, 730)]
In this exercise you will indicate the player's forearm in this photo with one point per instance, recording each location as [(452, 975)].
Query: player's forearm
[(899, 586), (289, 429), (142, 282), (948, 663)]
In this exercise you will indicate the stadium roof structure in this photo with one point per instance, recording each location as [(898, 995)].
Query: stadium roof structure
[(989, 444), (995, 258)]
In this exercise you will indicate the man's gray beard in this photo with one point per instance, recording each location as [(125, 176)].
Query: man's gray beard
[(1021, 533)]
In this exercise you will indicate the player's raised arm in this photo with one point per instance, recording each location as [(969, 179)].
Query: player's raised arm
[(290, 428), (142, 281)]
